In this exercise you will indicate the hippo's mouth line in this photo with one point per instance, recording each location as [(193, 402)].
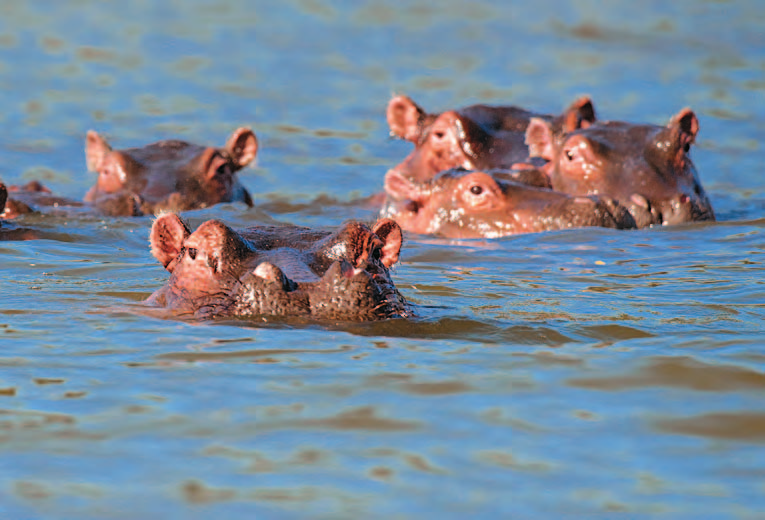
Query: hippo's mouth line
[(645, 213)]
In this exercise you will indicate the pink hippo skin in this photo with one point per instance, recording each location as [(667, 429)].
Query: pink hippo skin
[(477, 137), (646, 168), (459, 203), (278, 271), (168, 175)]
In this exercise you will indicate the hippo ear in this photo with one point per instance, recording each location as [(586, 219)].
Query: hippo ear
[(539, 138), (399, 187), (404, 116), (580, 114), (96, 149), (242, 146), (389, 232), (167, 236), (684, 126)]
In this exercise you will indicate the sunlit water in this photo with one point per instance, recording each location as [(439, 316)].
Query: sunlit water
[(592, 372)]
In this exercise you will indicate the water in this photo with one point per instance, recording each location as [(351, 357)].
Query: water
[(590, 373)]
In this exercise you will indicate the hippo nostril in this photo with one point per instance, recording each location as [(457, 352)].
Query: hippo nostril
[(271, 273), (640, 201), (192, 253), (268, 271), (213, 263)]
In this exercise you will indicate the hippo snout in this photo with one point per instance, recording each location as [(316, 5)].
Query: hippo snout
[(684, 208), (598, 211)]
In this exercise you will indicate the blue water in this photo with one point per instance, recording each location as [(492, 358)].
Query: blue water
[(589, 373)]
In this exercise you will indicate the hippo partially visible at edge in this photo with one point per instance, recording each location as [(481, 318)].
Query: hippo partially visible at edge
[(278, 271), (646, 167), (3, 197), (31, 197), (10, 231), (476, 137), (170, 175)]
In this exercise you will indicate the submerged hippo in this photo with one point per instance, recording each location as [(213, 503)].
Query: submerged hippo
[(459, 203), (167, 175), (278, 271), (645, 167), (477, 137), (11, 232), (31, 197)]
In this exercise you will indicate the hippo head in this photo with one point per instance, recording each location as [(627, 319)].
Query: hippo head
[(168, 174), (459, 203), (15, 206), (475, 137), (645, 167), (216, 271)]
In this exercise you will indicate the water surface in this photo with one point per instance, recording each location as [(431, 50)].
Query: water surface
[(593, 372)]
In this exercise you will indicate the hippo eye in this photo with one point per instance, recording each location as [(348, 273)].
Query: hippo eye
[(476, 189), (569, 155), (687, 147), (439, 134), (192, 253)]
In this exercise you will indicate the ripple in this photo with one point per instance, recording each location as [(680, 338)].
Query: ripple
[(741, 426), (679, 372)]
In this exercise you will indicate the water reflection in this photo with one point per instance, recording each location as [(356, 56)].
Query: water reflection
[(679, 372)]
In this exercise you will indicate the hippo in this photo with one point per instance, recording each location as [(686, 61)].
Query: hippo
[(460, 203), (3, 197), (168, 175), (278, 271), (476, 137), (645, 167), (31, 197), (9, 231)]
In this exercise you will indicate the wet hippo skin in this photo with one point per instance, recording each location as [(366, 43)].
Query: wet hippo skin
[(31, 197), (8, 231), (278, 271), (459, 203), (647, 168), (475, 137), (168, 175)]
